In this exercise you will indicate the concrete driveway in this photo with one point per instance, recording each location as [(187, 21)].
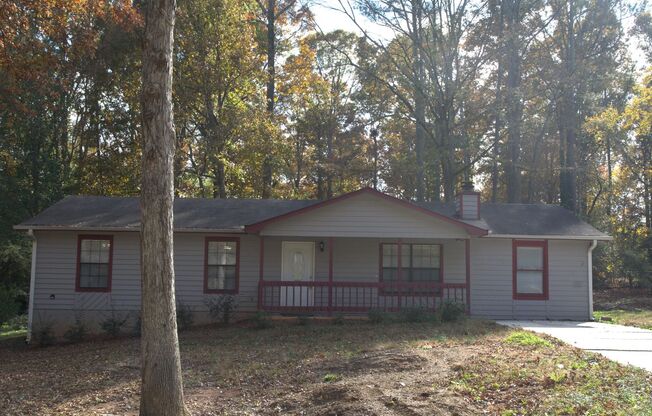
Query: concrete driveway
[(624, 344)]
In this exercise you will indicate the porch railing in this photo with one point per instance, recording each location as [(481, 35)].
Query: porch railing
[(354, 297)]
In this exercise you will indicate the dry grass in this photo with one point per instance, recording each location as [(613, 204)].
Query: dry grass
[(631, 307), (640, 318), (462, 368)]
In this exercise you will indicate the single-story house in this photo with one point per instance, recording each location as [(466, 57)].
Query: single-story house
[(359, 251)]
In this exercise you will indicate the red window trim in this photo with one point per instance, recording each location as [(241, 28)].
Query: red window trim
[(530, 243), (441, 258), (237, 265), (81, 237)]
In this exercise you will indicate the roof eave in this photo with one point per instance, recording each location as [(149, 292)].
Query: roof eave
[(24, 227)]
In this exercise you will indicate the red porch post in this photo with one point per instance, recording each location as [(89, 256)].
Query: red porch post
[(261, 271), (330, 275), (467, 249)]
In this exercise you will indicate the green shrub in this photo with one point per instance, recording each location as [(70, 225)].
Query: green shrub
[(185, 316), (451, 311), (9, 308), (222, 308), (527, 339), (330, 378), (113, 324), (77, 332), (261, 320)]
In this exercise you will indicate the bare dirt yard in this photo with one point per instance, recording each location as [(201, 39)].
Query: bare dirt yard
[(469, 367)]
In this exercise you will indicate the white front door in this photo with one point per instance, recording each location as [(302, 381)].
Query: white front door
[(298, 264)]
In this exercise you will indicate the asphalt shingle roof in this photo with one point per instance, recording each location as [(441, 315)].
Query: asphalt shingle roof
[(98, 212)]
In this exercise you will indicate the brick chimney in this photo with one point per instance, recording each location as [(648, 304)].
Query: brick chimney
[(467, 203)]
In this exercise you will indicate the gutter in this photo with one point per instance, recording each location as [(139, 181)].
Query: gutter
[(32, 281), (589, 263)]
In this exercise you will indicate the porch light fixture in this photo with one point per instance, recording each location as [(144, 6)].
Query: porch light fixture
[(321, 246)]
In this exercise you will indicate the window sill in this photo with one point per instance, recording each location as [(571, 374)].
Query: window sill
[(526, 296), (93, 289), (221, 291)]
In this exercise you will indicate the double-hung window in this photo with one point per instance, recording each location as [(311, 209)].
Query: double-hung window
[(418, 263), (94, 263), (222, 265), (530, 269)]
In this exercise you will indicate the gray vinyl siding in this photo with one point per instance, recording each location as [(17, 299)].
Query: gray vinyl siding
[(354, 259), (491, 282), (365, 216)]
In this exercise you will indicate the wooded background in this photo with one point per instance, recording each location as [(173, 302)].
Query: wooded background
[(533, 100)]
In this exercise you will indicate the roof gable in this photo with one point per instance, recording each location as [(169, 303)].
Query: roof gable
[(371, 209)]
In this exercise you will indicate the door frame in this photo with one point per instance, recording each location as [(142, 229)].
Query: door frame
[(314, 259)]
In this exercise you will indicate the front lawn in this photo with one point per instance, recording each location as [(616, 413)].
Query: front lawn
[(14, 329), (641, 318), (357, 368), (624, 307)]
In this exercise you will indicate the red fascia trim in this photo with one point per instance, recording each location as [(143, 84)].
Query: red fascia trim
[(81, 237), (257, 227), (237, 265), (530, 243)]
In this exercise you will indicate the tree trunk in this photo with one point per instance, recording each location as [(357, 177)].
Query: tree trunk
[(299, 149), (271, 85), (374, 137), (567, 175), (514, 103), (419, 102), (329, 165), (162, 385), (498, 104), (219, 187), (609, 177), (448, 175)]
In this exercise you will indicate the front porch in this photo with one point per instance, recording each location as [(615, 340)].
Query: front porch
[(307, 275)]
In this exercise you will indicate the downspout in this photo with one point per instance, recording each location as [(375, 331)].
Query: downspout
[(589, 262), (32, 281)]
